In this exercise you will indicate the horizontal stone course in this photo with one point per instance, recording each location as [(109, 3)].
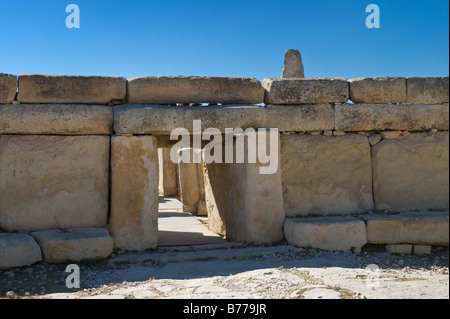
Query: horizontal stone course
[(46, 89), (194, 89), (56, 119), (378, 90), (380, 117), (17, 250), (305, 91), (146, 119), (8, 88), (422, 228), (429, 90), (74, 244), (329, 233)]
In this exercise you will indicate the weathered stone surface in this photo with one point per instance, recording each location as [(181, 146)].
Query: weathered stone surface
[(167, 173), (134, 192), (194, 89), (422, 249), (370, 117), (300, 118), (306, 91), (74, 244), (412, 172), (244, 204), (35, 88), (17, 250), (428, 90), (157, 119), (190, 181), (53, 181), (378, 90), (399, 249), (56, 119), (293, 65), (8, 88), (423, 228), (145, 119), (326, 175), (328, 233)]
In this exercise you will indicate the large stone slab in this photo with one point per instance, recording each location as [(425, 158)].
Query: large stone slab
[(53, 181), (36, 88), (194, 89), (306, 91), (8, 88), (328, 233), (428, 90), (325, 175), (56, 119), (426, 228), (133, 221), (380, 117), (244, 204), (412, 172), (74, 244), (17, 250), (378, 90), (158, 119)]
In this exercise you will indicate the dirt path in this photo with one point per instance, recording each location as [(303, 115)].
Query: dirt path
[(240, 272)]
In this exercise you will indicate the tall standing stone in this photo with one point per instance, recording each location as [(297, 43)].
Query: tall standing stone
[(133, 222), (293, 65)]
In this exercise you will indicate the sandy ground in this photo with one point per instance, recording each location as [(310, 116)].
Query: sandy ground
[(238, 272)]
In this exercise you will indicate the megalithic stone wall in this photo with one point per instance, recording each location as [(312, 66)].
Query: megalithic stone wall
[(346, 147)]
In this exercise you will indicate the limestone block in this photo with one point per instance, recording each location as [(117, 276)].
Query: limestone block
[(189, 181), (53, 181), (167, 173), (8, 88), (378, 90), (299, 118), (326, 175), (74, 244), (17, 250), (422, 249), (427, 90), (159, 119), (133, 220), (422, 228), (35, 88), (152, 119), (56, 119), (370, 117), (328, 233), (194, 89), (293, 65), (412, 172), (399, 249), (246, 205), (306, 91)]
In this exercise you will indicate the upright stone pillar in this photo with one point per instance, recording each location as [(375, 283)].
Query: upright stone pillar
[(293, 65), (243, 203), (190, 181), (134, 192), (167, 173)]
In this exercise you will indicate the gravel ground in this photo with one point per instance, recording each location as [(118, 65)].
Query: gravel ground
[(275, 272)]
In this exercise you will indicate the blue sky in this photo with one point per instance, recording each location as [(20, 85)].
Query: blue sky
[(243, 38)]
